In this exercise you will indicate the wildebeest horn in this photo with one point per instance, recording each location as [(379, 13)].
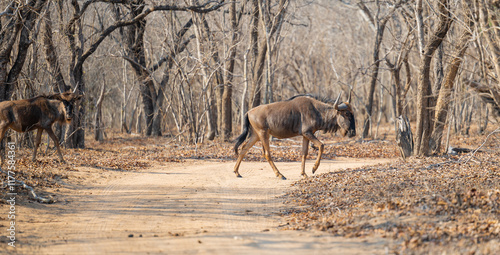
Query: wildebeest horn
[(349, 98), (74, 90), (338, 98)]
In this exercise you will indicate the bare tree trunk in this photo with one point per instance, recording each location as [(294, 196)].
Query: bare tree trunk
[(51, 55), (490, 22), (273, 25), (227, 124), (201, 42), (420, 27), (98, 125), (424, 122), (265, 20), (444, 98), (216, 79), (75, 132), (254, 44), (244, 102), (132, 117), (8, 36), (138, 124), (258, 70), (404, 136), (134, 41), (374, 76), (379, 25), (16, 33), (123, 116)]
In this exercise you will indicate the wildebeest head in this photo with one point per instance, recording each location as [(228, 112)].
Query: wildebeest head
[(345, 117), (69, 100)]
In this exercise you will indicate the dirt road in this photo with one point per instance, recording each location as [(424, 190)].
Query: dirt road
[(198, 207)]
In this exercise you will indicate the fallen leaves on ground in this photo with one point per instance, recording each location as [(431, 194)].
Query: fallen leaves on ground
[(425, 205)]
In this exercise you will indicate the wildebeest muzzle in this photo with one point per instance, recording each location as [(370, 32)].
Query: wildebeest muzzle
[(68, 106)]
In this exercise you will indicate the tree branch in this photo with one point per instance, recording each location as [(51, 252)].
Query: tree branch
[(203, 8), (40, 199)]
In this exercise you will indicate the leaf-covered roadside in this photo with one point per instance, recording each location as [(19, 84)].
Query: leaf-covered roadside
[(425, 205)]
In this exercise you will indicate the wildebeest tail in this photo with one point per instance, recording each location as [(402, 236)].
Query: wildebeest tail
[(240, 139)]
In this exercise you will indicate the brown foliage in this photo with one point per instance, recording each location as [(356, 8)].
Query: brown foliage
[(424, 205)]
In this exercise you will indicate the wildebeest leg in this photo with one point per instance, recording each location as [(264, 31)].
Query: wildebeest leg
[(318, 144), (246, 147), (305, 150), (38, 139), (56, 142), (264, 138)]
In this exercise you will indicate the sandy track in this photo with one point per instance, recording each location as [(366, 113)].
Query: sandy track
[(198, 207)]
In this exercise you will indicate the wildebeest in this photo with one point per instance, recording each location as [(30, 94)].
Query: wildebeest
[(299, 115), (37, 113)]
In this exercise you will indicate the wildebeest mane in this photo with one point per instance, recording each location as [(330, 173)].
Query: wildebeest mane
[(323, 99), (41, 96)]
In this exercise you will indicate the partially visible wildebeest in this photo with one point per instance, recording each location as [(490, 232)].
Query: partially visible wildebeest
[(37, 113), (299, 115)]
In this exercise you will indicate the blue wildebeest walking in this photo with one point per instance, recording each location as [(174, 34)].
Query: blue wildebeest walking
[(299, 115), (37, 113)]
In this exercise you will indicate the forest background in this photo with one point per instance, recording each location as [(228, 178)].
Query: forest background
[(177, 74), (191, 69)]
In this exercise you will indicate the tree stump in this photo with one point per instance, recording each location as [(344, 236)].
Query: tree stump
[(404, 137)]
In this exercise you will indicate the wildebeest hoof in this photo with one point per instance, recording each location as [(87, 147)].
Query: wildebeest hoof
[(282, 177), (304, 175), (239, 176)]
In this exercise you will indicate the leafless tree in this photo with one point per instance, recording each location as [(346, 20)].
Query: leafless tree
[(16, 23), (444, 97), (378, 23), (424, 92)]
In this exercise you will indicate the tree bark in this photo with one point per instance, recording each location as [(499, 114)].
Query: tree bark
[(489, 22), (8, 36), (19, 27), (52, 57), (203, 49), (420, 27), (374, 75), (227, 123), (424, 122), (260, 60), (379, 26), (254, 44), (134, 41), (75, 132), (444, 98), (98, 125), (179, 46)]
